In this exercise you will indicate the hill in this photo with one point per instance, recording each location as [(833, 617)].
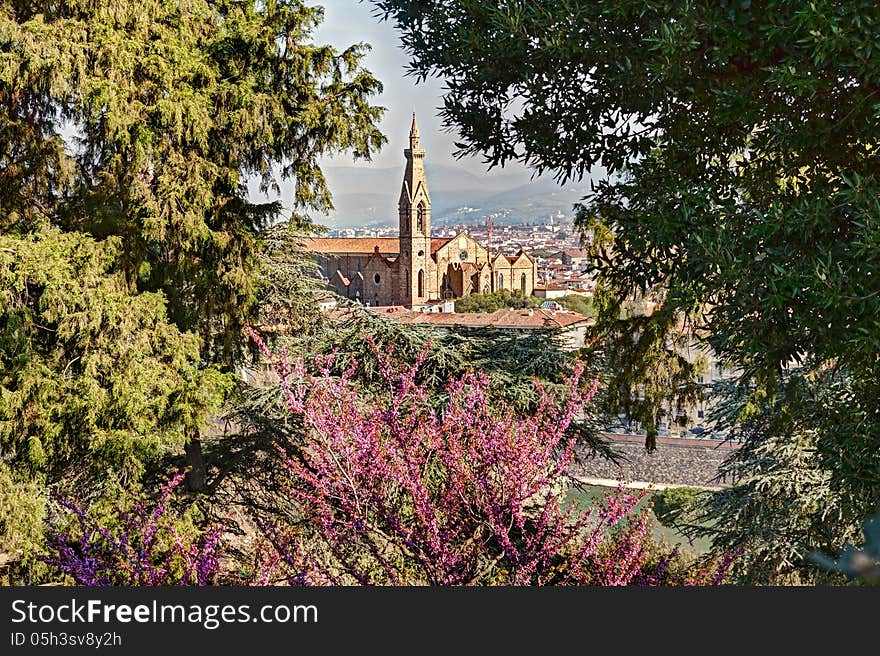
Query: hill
[(368, 196)]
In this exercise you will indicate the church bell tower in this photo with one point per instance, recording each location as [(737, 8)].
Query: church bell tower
[(414, 212)]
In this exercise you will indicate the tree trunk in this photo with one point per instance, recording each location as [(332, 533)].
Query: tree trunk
[(651, 439), (196, 478)]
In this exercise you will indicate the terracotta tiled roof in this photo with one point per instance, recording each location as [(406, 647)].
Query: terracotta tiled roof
[(439, 242), (342, 313), (360, 245), (388, 309), (538, 318), (576, 252), (364, 245)]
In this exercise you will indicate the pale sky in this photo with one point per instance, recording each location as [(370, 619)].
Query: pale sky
[(352, 21)]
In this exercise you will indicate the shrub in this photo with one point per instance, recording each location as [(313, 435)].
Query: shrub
[(493, 301), (675, 503), (141, 545), (393, 490)]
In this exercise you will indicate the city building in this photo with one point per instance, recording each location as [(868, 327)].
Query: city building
[(551, 291), (576, 257), (416, 268), (571, 327)]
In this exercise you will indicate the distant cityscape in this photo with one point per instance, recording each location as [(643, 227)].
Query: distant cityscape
[(554, 243), (563, 268), (417, 273)]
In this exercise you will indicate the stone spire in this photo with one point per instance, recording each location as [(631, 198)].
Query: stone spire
[(415, 186), (416, 270), (414, 134)]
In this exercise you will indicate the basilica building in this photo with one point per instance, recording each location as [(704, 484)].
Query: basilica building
[(415, 268)]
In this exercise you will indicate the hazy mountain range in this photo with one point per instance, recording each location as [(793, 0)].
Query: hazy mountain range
[(368, 196)]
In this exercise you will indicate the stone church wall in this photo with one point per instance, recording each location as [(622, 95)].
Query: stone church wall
[(378, 282)]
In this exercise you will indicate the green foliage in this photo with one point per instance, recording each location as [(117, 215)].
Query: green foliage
[(177, 106), (675, 504), (131, 255), (788, 495), (22, 507), (740, 142), (578, 303), (126, 536), (647, 373), (93, 377), (287, 281), (858, 563), (500, 300), (515, 362)]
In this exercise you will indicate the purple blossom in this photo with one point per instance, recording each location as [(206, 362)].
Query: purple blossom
[(393, 490), (142, 546)]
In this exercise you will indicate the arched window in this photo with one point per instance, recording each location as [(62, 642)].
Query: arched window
[(522, 284), (377, 279), (421, 289), (420, 218), (500, 281)]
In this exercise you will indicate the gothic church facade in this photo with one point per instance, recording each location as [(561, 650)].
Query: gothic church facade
[(415, 268)]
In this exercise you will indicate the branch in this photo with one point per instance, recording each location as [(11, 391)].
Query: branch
[(485, 571)]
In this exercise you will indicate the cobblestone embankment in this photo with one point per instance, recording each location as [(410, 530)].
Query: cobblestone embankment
[(675, 461)]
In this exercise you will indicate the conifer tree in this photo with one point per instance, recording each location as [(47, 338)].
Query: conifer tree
[(140, 124), (131, 252)]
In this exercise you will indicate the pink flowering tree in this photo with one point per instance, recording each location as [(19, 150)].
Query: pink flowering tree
[(391, 489), (145, 544)]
